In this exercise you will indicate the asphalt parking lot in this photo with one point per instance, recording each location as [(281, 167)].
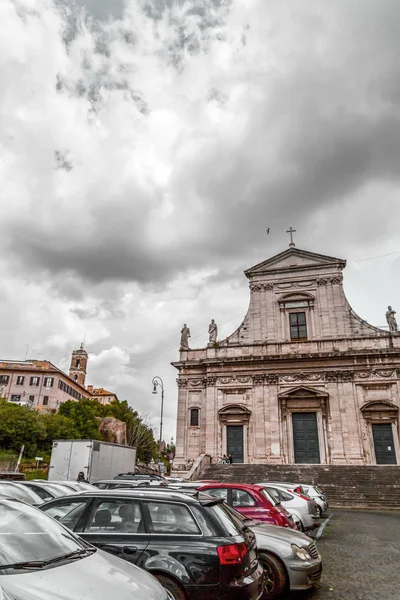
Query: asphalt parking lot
[(361, 557)]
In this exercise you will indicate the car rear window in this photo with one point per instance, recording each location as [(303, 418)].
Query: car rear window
[(227, 519), (172, 518), (278, 495)]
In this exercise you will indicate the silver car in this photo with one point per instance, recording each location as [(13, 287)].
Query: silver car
[(290, 559), (304, 511), (39, 558)]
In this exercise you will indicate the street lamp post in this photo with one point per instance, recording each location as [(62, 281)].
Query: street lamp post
[(158, 382)]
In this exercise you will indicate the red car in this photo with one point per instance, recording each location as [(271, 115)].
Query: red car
[(252, 501)]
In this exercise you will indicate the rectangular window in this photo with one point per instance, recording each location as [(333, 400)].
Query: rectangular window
[(31, 398), (35, 381), (4, 379), (15, 398), (242, 498), (122, 515), (298, 326), (171, 518), (194, 417), (20, 380), (48, 381), (45, 400)]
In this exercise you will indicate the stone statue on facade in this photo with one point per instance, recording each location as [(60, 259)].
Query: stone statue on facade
[(391, 319), (185, 335), (212, 331)]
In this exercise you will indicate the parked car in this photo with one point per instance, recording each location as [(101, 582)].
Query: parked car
[(316, 494), (175, 480), (42, 559), (290, 559), (13, 489), (303, 510), (113, 484), (46, 492), (75, 486), (140, 477), (252, 501), (307, 489), (188, 542)]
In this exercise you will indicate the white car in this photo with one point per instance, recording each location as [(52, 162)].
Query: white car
[(315, 492), (312, 491), (41, 559), (303, 510)]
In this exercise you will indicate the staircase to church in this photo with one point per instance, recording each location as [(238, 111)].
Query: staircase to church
[(372, 487)]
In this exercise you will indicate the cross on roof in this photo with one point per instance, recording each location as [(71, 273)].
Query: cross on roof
[(291, 231)]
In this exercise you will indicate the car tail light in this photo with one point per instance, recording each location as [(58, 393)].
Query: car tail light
[(232, 554)]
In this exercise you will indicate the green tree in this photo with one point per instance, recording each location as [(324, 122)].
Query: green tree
[(20, 425), (83, 414)]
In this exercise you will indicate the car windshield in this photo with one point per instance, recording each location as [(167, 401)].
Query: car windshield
[(13, 490), (26, 534)]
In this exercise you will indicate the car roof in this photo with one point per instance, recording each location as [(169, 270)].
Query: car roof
[(163, 494), (241, 486)]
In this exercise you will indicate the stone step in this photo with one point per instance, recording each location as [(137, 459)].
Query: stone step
[(344, 485)]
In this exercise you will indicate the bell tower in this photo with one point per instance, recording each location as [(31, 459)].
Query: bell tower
[(77, 370)]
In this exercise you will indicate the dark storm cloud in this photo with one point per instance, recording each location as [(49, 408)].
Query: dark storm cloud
[(313, 101)]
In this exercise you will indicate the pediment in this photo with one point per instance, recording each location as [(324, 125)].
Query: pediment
[(295, 259), (234, 409), (379, 406), (303, 392)]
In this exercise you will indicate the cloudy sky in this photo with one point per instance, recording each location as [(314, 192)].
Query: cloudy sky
[(146, 146)]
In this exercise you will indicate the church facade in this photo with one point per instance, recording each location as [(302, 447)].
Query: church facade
[(302, 380)]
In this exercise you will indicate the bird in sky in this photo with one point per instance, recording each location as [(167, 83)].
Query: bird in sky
[(268, 231)]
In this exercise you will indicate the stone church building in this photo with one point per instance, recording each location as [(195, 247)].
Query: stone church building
[(302, 380)]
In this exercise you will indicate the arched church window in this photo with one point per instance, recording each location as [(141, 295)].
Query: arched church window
[(194, 417), (78, 362), (76, 377)]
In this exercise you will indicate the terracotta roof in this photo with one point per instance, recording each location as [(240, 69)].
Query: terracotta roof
[(38, 366), (101, 392)]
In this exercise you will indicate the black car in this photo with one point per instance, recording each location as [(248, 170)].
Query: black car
[(192, 544), (139, 477)]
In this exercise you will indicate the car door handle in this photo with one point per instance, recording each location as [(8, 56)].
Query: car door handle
[(129, 549)]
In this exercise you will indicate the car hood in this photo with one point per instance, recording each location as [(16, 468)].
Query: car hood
[(100, 576), (265, 532)]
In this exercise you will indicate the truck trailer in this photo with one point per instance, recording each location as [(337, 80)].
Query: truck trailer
[(97, 460)]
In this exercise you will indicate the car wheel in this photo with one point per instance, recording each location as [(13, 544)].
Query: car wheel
[(319, 511), (174, 590), (275, 578)]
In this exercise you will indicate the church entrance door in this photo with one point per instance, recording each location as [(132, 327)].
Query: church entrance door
[(384, 444), (305, 438), (234, 442)]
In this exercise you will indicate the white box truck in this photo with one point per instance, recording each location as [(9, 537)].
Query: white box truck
[(97, 460)]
